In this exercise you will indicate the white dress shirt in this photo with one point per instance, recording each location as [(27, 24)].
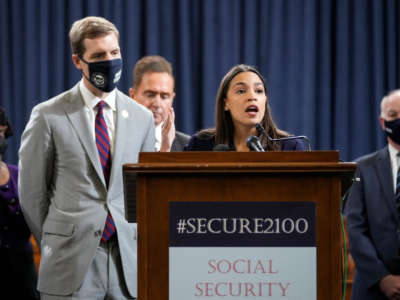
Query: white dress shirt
[(109, 111), (394, 162), (158, 137)]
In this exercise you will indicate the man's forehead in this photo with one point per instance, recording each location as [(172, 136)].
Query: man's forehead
[(393, 101), (157, 81), (99, 42), (158, 76)]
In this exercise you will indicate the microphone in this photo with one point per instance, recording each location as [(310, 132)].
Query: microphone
[(222, 147), (261, 130), (254, 143)]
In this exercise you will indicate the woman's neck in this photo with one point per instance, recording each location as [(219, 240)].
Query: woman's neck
[(240, 135), (4, 173)]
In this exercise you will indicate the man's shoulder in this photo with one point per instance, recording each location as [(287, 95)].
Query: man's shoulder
[(372, 157), (56, 102), (182, 136), (131, 104), (180, 141)]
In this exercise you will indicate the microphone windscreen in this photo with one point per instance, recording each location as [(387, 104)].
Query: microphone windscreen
[(253, 143), (221, 147)]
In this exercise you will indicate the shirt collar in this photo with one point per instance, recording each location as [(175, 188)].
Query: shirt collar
[(393, 153), (92, 100), (158, 133)]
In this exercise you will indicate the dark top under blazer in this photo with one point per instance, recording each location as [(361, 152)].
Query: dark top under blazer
[(201, 143)]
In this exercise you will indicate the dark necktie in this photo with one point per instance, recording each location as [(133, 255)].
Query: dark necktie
[(103, 147), (398, 185)]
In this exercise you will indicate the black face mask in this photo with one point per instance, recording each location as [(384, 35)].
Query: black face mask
[(392, 130), (104, 75), (3, 145)]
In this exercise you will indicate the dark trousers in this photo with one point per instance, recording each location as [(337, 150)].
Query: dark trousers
[(18, 274)]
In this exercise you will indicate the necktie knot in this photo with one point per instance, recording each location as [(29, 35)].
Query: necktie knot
[(101, 105)]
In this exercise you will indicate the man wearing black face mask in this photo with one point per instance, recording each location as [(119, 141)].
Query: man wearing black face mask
[(373, 213), (71, 158)]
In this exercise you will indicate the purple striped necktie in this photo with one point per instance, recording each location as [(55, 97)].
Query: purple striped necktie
[(103, 147)]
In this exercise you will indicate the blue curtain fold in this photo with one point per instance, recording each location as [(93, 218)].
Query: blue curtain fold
[(327, 63)]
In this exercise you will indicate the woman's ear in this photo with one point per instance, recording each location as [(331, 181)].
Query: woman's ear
[(226, 108)]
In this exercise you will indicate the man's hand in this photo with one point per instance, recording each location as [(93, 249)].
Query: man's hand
[(168, 132), (390, 286)]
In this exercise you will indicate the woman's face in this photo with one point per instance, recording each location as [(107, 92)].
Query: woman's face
[(245, 99), (3, 130)]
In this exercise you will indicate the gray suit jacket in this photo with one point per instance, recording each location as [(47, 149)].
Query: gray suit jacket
[(373, 225), (62, 189), (180, 141)]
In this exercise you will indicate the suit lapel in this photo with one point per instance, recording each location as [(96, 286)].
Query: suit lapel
[(384, 170), (121, 129), (76, 112)]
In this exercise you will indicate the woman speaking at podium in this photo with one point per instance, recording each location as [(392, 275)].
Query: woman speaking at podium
[(243, 120)]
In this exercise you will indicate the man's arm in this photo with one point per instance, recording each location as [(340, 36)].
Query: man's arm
[(370, 267), (35, 171), (168, 132)]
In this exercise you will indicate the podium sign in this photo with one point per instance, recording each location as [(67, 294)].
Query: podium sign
[(242, 250)]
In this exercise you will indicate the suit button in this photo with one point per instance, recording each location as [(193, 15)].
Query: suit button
[(97, 233), (12, 201)]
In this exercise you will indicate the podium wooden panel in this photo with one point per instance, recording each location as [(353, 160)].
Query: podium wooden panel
[(160, 178)]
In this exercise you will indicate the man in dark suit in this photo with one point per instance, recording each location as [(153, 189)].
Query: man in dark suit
[(372, 211), (153, 87)]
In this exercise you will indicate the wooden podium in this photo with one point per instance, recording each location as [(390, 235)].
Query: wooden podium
[(161, 178)]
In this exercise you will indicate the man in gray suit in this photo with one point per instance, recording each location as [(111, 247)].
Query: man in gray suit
[(153, 87), (70, 183)]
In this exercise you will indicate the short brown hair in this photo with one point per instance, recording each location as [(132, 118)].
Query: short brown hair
[(89, 27), (150, 64)]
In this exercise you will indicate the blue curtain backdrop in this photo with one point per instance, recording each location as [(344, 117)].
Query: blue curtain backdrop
[(327, 63)]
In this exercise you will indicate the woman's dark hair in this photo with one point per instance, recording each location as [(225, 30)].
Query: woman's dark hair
[(4, 122), (224, 128)]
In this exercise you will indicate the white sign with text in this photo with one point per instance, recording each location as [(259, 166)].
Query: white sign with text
[(217, 273)]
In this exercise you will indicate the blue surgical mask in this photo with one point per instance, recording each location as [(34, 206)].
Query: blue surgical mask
[(104, 75), (392, 130)]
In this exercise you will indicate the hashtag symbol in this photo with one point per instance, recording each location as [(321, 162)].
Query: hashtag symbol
[(181, 226)]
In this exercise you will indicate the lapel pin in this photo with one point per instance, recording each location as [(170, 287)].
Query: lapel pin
[(124, 114)]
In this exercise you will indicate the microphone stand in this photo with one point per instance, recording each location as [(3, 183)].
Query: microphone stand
[(262, 131)]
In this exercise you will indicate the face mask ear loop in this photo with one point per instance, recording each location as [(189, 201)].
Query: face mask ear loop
[(81, 58), (87, 78)]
